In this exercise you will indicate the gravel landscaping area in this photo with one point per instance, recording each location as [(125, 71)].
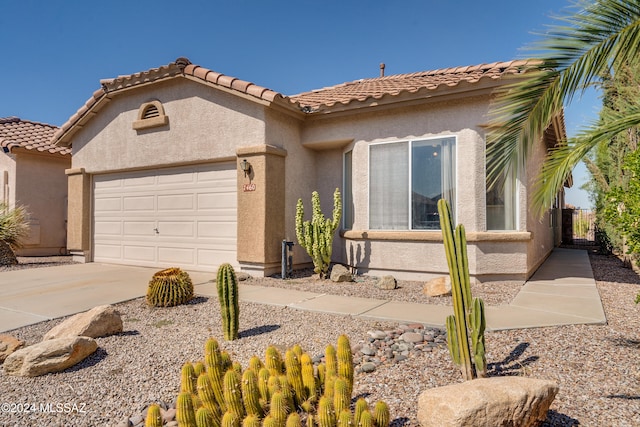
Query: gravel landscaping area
[(596, 367)]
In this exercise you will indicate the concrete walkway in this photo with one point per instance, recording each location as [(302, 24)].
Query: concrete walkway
[(561, 292)]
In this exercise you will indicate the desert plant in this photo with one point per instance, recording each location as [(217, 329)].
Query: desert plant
[(246, 402), (169, 287), (468, 318), (227, 285), (316, 235), (154, 417), (14, 224)]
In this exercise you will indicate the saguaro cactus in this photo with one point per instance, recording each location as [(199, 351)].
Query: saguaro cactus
[(468, 318), (316, 236), (227, 285)]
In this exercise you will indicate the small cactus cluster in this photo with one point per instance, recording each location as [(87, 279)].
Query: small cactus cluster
[(227, 286), (282, 391), (316, 236), (169, 287), (468, 320)]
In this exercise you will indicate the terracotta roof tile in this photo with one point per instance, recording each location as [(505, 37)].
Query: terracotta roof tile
[(181, 67), (340, 95), (376, 88), (17, 133)]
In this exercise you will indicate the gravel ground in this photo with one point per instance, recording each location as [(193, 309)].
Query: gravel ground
[(596, 367)]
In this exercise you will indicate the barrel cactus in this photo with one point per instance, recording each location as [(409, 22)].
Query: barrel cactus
[(227, 285), (316, 235), (169, 287)]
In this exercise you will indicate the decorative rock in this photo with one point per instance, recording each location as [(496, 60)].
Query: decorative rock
[(378, 335), (340, 273), (387, 283), (172, 424), (498, 401), (49, 356), (8, 345), (98, 322), (368, 367), (241, 276), (168, 415), (413, 337), (367, 351), (438, 287), (136, 419)]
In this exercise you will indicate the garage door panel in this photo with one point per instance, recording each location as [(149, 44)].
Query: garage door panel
[(193, 208), (139, 203), (108, 204), (216, 200), (108, 228), (139, 253), (218, 229), (176, 229), (113, 252), (139, 179), (174, 202), (177, 256), (139, 228)]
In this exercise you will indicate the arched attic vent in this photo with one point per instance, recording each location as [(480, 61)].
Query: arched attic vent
[(150, 115)]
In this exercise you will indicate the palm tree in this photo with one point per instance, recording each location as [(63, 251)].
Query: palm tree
[(599, 37), (14, 226)]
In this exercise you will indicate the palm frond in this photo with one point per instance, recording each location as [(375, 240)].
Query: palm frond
[(570, 57), (562, 159)]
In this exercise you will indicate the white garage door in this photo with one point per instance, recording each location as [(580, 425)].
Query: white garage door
[(175, 217)]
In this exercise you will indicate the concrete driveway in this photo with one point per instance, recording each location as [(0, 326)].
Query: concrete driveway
[(33, 295)]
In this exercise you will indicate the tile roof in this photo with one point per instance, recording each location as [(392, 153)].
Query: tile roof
[(181, 67), (345, 95), (18, 133), (414, 83)]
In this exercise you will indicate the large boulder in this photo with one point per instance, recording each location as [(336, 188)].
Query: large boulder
[(98, 322), (498, 401), (49, 356), (340, 273), (8, 345), (438, 287), (387, 283)]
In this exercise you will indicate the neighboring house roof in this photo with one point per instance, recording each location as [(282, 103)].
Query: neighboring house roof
[(18, 133), (424, 82), (360, 93)]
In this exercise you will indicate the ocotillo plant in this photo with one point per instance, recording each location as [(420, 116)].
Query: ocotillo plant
[(468, 318), (227, 285), (316, 235)]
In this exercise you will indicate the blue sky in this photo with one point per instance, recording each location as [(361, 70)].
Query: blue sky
[(55, 52)]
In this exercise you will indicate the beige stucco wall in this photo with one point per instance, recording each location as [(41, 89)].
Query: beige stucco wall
[(496, 255), (7, 178), (41, 186), (204, 125)]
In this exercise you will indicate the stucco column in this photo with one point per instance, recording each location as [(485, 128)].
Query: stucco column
[(79, 213), (261, 206)]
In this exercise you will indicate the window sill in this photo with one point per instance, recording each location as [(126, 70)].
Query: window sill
[(436, 236)]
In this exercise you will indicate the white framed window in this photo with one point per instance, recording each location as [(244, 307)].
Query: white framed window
[(406, 180), (502, 203)]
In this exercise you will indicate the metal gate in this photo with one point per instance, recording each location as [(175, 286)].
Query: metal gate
[(584, 222)]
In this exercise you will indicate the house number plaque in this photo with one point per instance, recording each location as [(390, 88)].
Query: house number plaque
[(248, 187)]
